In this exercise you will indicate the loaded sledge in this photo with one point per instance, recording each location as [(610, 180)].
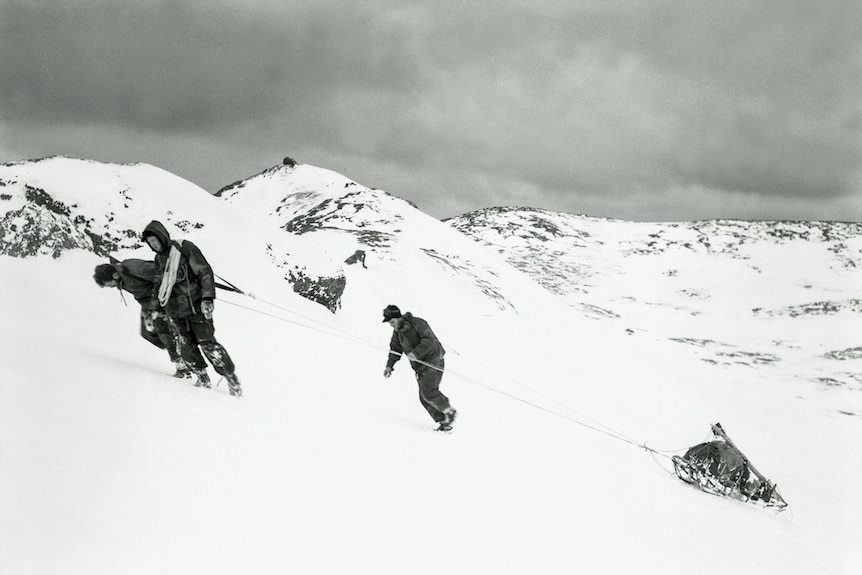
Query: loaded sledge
[(720, 468)]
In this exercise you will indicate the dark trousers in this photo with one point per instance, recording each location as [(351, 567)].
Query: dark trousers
[(196, 334), (160, 335), (429, 389)]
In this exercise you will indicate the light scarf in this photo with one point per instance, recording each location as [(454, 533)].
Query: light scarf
[(170, 276)]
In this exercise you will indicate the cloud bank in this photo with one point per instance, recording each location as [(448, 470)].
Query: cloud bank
[(655, 110)]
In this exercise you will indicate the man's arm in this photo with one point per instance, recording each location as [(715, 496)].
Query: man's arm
[(201, 268), (395, 350)]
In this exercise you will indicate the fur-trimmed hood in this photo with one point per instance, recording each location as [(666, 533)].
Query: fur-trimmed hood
[(157, 229)]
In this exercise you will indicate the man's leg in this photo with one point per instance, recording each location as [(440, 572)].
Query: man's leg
[(188, 345), (204, 333), (164, 329), (150, 336), (430, 396)]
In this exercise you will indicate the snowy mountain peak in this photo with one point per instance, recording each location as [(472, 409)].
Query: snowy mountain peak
[(343, 217), (58, 204), (294, 220), (305, 198)]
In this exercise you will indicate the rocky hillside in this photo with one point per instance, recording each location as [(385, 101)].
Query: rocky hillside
[(344, 217), (736, 293), (57, 204), (563, 251)]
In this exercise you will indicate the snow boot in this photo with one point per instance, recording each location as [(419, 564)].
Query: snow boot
[(183, 371), (444, 427), (203, 380), (449, 416), (233, 384)]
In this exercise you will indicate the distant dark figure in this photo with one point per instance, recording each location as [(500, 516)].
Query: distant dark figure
[(184, 285), (137, 277), (290, 162), (413, 337), (358, 256)]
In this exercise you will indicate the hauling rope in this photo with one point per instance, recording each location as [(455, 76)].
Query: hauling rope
[(335, 332), (717, 466)]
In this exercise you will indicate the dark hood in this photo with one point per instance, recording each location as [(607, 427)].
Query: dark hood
[(155, 228)]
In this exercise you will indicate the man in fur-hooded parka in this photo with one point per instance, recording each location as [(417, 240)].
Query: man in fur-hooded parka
[(190, 303), (194, 282)]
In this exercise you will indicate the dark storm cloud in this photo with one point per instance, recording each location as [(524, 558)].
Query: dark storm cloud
[(776, 109), (550, 103), (178, 66), (754, 97)]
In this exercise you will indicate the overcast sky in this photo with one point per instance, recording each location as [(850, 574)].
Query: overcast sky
[(641, 110)]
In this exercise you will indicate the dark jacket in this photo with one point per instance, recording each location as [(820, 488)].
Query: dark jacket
[(137, 278), (194, 276), (414, 334)]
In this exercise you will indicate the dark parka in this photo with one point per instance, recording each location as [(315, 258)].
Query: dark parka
[(413, 334), (194, 276), (137, 277)]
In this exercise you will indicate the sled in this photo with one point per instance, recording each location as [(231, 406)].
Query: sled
[(720, 468)]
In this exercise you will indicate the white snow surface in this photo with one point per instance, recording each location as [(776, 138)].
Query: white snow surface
[(109, 465), (121, 199), (777, 300)]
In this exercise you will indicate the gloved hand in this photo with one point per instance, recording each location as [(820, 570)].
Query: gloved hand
[(411, 356), (387, 372), (207, 307), (149, 320)]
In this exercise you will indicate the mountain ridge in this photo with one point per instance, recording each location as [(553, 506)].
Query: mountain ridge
[(567, 415), (681, 282), (59, 204), (694, 282)]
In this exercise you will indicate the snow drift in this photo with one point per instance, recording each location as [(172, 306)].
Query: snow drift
[(108, 465)]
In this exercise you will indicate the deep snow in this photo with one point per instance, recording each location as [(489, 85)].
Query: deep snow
[(109, 465)]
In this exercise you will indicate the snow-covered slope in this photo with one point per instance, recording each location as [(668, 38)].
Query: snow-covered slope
[(777, 300), (108, 465), (111, 466), (57, 204), (341, 216)]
